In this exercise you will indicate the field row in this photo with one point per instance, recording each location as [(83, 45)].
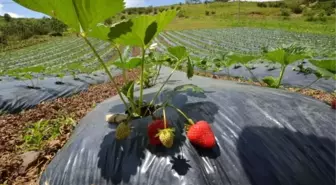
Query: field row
[(69, 56), (245, 40)]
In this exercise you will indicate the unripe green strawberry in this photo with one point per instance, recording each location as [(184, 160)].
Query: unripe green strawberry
[(123, 131), (166, 137)]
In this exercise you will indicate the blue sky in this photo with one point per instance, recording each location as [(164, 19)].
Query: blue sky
[(15, 10)]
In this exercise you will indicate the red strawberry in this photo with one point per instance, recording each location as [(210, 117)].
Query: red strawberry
[(333, 104), (201, 134), (153, 130)]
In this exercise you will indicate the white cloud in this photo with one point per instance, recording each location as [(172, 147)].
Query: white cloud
[(135, 3), (2, 12)]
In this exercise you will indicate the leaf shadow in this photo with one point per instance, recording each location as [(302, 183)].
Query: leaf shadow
[(119, 160)]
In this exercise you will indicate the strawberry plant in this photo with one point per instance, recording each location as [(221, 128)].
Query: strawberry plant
[(223, 61), (244, 60), (28, 73), (284, 56), (86, 18)]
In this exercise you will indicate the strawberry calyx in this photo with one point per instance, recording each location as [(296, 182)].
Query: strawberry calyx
[(166, 136)]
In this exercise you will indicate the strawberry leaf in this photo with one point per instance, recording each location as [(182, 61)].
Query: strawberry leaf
[(243, 59), (80, 15), (140, 31), (179, 52), (130, 64)]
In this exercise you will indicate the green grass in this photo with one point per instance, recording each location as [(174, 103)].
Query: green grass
[(40, 132), (250, 16)]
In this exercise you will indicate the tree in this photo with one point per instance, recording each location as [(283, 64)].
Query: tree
[(192, 1), (7, 17)]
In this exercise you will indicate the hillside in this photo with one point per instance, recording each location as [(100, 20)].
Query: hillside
[(219, 15)]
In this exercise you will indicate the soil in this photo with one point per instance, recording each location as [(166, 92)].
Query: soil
[(13, 126)]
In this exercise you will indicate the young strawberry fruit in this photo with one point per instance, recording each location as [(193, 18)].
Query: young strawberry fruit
[(153, 130), (333, 104), (166, 137), (200, 134), (123, 131)]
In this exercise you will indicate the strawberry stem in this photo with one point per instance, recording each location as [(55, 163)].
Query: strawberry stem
[(164, 118), (184, 115)]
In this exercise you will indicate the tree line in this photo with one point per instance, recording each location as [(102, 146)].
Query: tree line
[(25, 28)]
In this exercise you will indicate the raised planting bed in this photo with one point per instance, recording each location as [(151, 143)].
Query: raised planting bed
[(263, 136)]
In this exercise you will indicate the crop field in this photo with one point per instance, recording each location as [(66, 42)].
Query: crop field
[(71, 55), (61, 57), (207, 42)]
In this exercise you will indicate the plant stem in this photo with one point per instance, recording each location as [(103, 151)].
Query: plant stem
[(108, 72), (182, 113), (164, 83), (164, 117), (283, 68), (158, 73), (253, 76), (308, 85), (142, 78), (122, 61)]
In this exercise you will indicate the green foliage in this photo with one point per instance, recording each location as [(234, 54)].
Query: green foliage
[(271, 81), (139, 31), (130, 64), (20, 29), (190, 68), (285, 12), (189, 87), (128, 90), (284, 57), (329, 65), (179, 52), (243, 59), (81, 15), (36, 135), (7, 17)]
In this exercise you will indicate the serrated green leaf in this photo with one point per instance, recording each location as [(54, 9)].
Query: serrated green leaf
[(326, 74), (77, 14), (190, 68), (130, 64), (178, 51), (139, 31), (186, 87), (243, 59), (119, 29), (329, 65), (277, 56), (291, 58), (100, 32)]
